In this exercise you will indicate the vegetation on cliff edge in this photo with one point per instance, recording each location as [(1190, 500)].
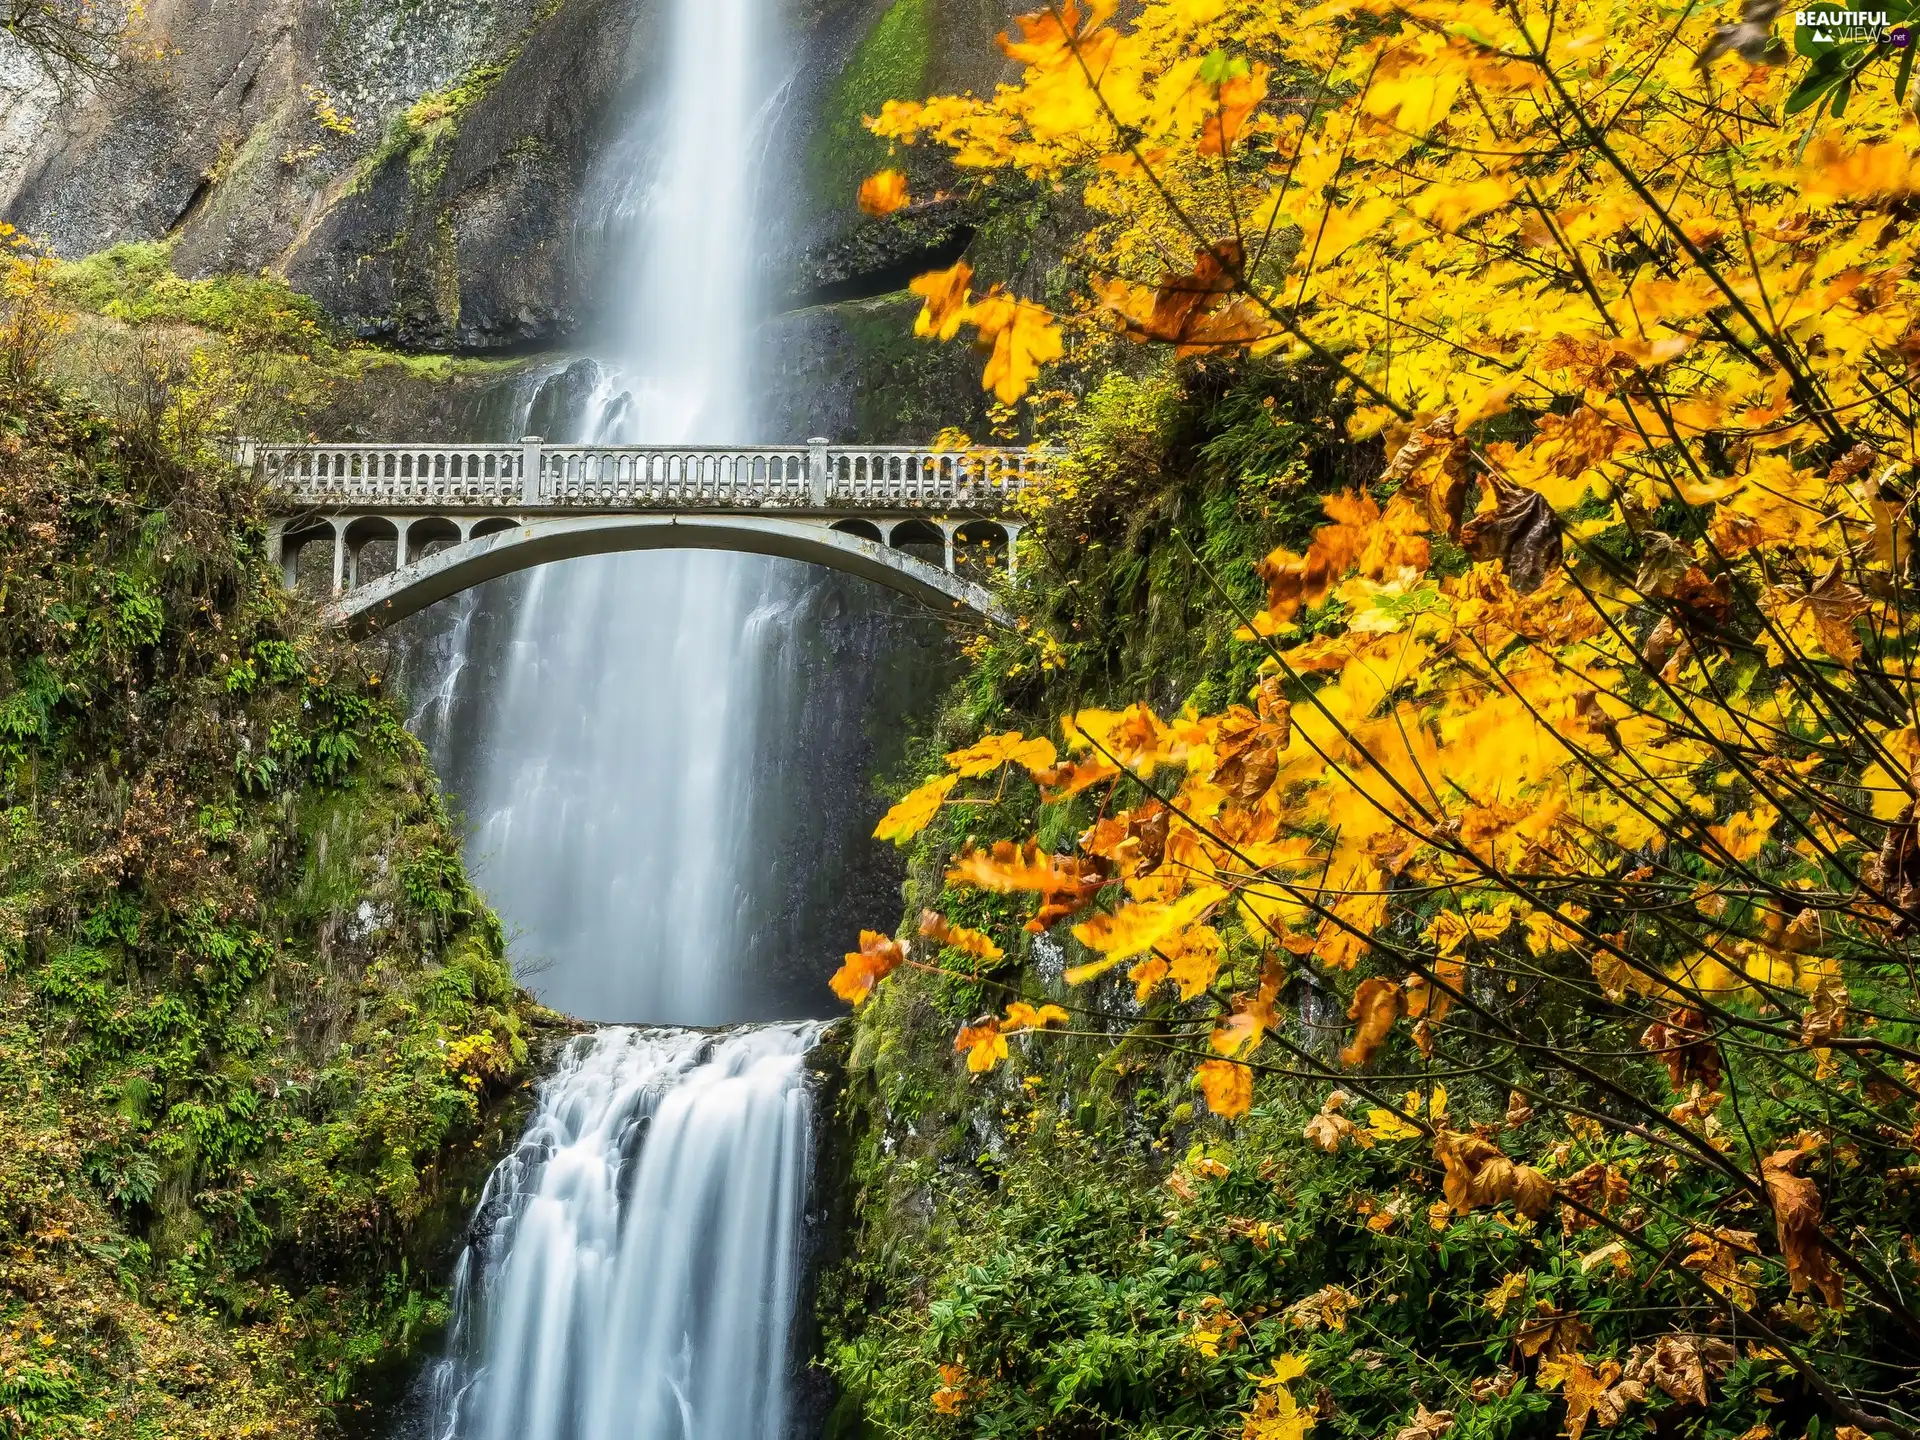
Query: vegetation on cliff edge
[(256, 1021)]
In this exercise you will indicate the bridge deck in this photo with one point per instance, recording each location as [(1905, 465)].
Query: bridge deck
[(457, 515), (533, 475)]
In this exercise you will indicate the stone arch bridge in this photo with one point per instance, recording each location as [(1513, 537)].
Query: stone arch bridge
[(405, 525)]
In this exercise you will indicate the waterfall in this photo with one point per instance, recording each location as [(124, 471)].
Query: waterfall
[(607, 757), (633, 1265), (624, 734)]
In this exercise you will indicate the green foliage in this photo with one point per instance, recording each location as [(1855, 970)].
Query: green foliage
[(232, 1121), (135, 282), (891, 63)]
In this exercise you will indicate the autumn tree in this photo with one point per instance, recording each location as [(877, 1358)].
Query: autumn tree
[(1582, 768)]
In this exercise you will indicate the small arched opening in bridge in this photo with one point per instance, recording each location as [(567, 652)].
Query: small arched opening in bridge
[(431, 536), (373, 549), (306, 559), (980, 550), (492, 525), (865, 529), (921, 540)]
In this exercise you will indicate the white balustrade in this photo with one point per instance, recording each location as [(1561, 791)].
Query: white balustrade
[(643, 477), (407, 476)]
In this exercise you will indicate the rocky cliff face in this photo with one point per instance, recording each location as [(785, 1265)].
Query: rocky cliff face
[(421, 168)]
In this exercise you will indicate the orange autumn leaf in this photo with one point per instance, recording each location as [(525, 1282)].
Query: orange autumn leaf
[(1228, 1086), (1141, 926), (1239, 96), (908, 818), (1021, 337), (988, 755), (878, 957), (1022, 1016), (946, 293), (1064, 883), (1294, 581), (884, 193), (1190, 960), (982, 1044), (936, 927), (1376, 1005)]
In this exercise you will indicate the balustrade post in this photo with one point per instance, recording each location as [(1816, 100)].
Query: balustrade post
[(817, 469), (530, 469)]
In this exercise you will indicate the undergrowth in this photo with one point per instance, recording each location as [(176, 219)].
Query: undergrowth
[(255, 1027)]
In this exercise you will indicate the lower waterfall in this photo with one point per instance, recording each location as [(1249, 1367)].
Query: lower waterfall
[(634, 1263)]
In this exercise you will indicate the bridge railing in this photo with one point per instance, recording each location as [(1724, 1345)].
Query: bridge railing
[(623, 477), (431, 476)]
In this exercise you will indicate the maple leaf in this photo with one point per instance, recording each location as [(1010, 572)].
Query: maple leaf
[(937, 928), (1190, 960), (884, 193), (908, 818), (1065, 884), (946, 293), (1719, 1258), (1687, 1048), (878, 957), (1330, 1129), (1012, 748), (952, 1395), (1237, 96), (1022, 337), (1326, 1308), (1681, 1365), (1599, 1394), (1228, 1086), (1521, 532), (982, 1043), (1551, 1333), (1022, 1016), (1796, 1216), (1426, 1425), (1377, 1003), (1143, 925)]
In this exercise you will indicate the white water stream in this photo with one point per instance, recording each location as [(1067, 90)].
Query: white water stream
[(632, 1273), (634, 1265)]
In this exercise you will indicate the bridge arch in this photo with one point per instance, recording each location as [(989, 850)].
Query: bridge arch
[(489, 552)]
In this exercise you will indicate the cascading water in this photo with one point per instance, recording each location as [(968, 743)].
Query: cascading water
[(615, 746), (633, 1267), (612, 727)]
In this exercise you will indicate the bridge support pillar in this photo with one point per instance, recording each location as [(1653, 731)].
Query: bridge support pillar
[(947, 529), (817, 471), (530, 469), (1013, 529), (339, 555), (399, 523)]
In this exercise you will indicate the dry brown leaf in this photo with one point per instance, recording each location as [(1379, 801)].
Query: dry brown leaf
[(1426, 1424), (1796, 1216), (1521, 531), (1376, 1005)]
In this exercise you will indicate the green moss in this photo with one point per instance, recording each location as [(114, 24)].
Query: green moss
[(891, 64), (136, 283), (256, 1029)]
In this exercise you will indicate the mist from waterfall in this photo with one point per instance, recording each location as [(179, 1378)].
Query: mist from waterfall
[(633, 1267)]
